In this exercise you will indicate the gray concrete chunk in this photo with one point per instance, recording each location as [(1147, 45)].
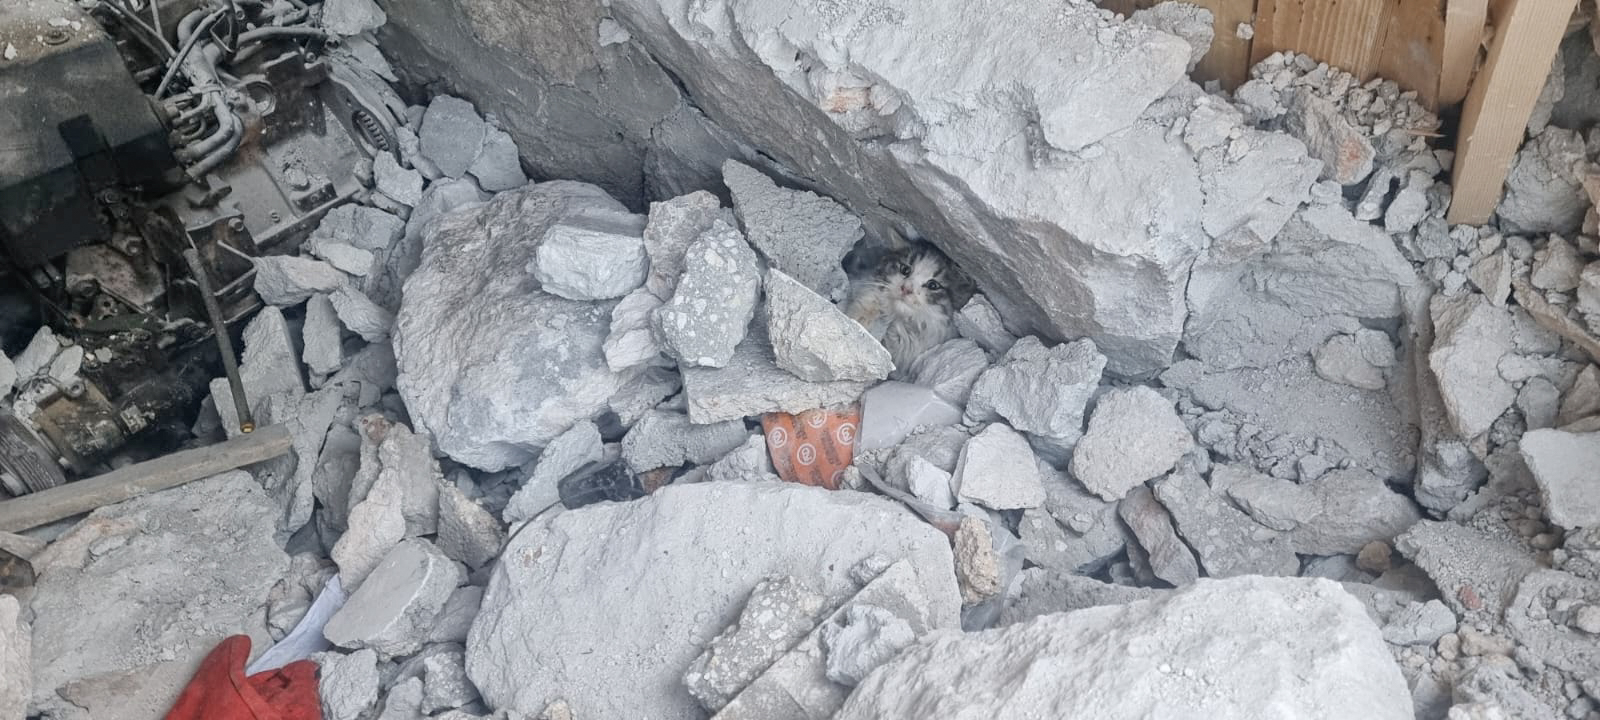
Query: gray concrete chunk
[(347, 684), (1134, 435), (1226, 541), (802, 234), (467, 532), (1038, 390), (715, 298), (778, 615), (997, 470), (498, 166), (815, 340), (592, 258), (1470, 337), (393, 609), (753, 384), (286, 280), (579, 446), (1564, 466), (403, 185), (668, 439), (672, 225), (452, 135)]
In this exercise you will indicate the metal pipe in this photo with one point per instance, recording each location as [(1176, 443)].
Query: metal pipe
[(230, 364), (267, 33), (195, 32)]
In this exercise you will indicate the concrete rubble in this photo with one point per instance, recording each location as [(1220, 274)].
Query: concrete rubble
[(1216, 336)]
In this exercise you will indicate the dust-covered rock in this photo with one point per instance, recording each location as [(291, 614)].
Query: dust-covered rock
[(1134, 435), (595, 256), (1038, 390), (802, 234), (815, 340), (707, 316), (397, 603), (1564, 466), (997, 469)]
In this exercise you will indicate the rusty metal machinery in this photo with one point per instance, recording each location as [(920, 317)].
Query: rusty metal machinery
[(134, 132)]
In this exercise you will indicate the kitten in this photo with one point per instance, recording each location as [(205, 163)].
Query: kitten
[(909, 302)]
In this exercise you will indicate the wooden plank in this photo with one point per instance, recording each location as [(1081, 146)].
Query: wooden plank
[(1494, 120), (58, 503), (1411, 50), (1463, 36), (1342, 34)]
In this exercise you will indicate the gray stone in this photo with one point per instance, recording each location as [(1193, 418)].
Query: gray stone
[(1563, 465), (492, 370), (869, 637), (951, 369), (1345, 150), (498, 167), (347, 684), (1473, 570), (361, 315), (402, 185), (815, 340), (643, 392), (890, 411), (579, 446), (1341, 360), (455, 620), (1039, 591), (668, 577), (997, 470), (779, 614), (452, 135), (361, 226), (980, 322), (394, 607), (1492, 276), (929, 483), (752, 384), (631, 342), (345, 258), (1583, 399), (1543, 191), (1356, 509), (977, 567), (467, 532), (664, 439), (1540, 402), (16, 660), (375, 525), (1557, 266), (1277, 504), (1470, 338), (1420, 624), (592, 257), (802, 234), (1190, 22), (1410, 204), (321, 337), (1226, 542), (352, 17), (715, 298), (1170, 559), (1301, 642), (404, 701), (745, 463), (286, 280), (445, 685), (1134, 435), (153, 584), (1040, 391), (8, 375), (672, 225)]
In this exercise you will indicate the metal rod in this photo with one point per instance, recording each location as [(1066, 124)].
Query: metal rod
[(230, 364)]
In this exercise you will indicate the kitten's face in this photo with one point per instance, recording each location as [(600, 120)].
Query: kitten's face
[(917, 278)]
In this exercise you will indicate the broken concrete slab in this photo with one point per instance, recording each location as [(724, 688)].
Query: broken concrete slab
[(286, 280), (1209, 657), (891, 411), (929, 483), (452, 134), (321, 337), (631, 342), (361, 226), (404, 701), (671, 226), (869, 637), (347, 684), (1473, 570), (397, 603), (1583, 399), (779, 614), (710, 309), (951, 369), (348, 259), (1557, 266), (468, 533), (1553, 617), (1543, 190), (1342, 359), (1492, 276), (798, 685), (655, 603), (1226, 541), (977, 567), (1345, 150), (1563, 465), (1190, 22), (579, 446), (1355, 508), (752, 384), (402, 185), (375, 525), (454, 621), (815, 340), (1170, 559), (998, 470), (361, 315), (480, 367), (498, 166), (1278, 504), (592, 257), (666, 439), (1040, 391), (1420, 624), (1038, 591), (445, 685), (980, 322), (1470, 337), (1074, 531), (154, 583), (802, 234), (1134, 436)]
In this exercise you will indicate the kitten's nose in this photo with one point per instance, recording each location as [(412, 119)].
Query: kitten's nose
[(905, 291)]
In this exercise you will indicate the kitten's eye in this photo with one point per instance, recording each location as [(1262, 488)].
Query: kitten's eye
[(933, 285), (905, 269)]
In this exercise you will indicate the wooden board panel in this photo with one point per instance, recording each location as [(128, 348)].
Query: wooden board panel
[(1463, 37), (1229, 58), (1495, 118), (1343, 34), (1411, 50)]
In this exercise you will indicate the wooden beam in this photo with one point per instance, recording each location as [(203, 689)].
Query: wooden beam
[(59, 503), (1411, 48), (1494, 120), (1464, 21)]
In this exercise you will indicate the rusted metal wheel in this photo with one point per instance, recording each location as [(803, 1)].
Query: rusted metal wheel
[(29, 467)]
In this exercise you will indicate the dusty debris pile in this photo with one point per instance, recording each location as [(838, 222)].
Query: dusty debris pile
[(1246, 402)]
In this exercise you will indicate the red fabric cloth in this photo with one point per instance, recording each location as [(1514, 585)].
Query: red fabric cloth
[(220, 691)]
